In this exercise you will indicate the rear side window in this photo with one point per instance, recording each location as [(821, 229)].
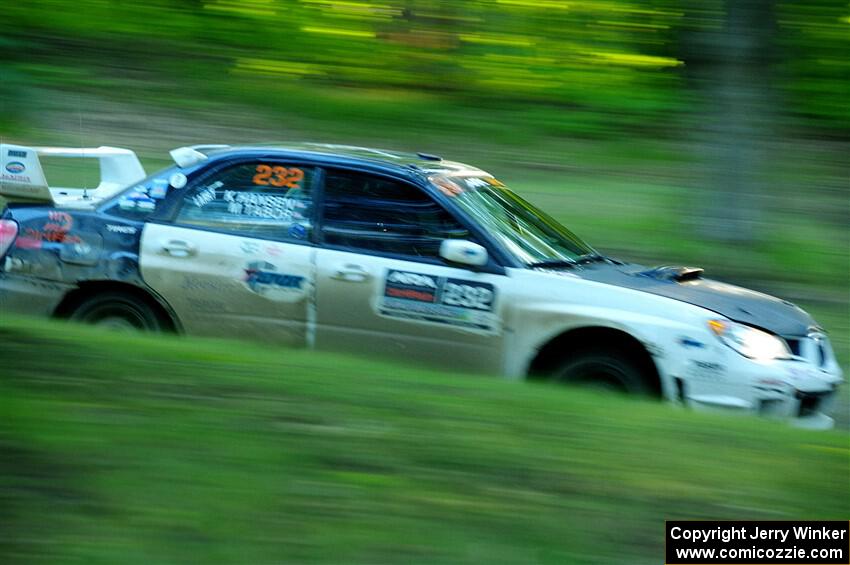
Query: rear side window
[(372, 213), (141, 200), (271, 200)]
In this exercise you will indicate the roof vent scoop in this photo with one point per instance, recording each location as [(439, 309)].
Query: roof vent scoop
[(678, 274), (193, 154), (429, 157)]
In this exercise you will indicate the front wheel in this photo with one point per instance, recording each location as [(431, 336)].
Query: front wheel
[(604, 370), (118, 311)]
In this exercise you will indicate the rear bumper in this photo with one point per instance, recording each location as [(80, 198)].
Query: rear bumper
[(30, 296)]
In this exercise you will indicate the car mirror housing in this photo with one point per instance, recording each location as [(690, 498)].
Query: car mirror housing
[(463, 252)]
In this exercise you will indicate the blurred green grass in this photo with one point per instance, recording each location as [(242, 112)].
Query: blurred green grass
[(133, 449)]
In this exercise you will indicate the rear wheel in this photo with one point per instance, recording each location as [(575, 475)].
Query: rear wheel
[(118, 311), (603, 370)]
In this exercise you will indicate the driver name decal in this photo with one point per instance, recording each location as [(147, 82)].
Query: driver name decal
[(441, 300)]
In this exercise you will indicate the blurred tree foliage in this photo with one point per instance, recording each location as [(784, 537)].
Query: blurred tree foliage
[(621, 59)]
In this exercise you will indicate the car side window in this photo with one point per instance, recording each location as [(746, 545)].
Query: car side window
[(264, 199), (141, 200), (372, 213)]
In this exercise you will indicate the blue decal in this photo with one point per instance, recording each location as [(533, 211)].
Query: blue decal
[(690, 342), (15, 167), (298, 231), (14, 153), (259, 274), (159, 189), (137, 201)]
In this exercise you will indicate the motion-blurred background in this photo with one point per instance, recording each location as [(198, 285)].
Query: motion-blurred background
[(706, 133)]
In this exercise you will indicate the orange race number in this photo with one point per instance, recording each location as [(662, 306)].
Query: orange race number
[(263, 174), (278, 176)]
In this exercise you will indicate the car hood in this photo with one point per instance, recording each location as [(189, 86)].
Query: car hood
[(687, 285)]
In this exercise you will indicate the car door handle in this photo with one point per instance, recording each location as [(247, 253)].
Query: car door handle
[(351, 273), (179, 248)]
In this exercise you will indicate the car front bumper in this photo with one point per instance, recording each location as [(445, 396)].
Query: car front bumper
[(792, 390)]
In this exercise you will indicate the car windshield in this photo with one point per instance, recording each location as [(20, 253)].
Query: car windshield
[(524, 231)]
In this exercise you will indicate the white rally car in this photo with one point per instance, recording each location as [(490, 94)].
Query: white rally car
[(356, 249)]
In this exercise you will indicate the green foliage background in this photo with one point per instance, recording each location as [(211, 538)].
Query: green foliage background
[(138, 450), (609, 64)]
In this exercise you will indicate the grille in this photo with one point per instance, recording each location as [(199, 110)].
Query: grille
[(810, 402)]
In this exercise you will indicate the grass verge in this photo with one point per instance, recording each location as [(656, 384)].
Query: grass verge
[(120, 449)]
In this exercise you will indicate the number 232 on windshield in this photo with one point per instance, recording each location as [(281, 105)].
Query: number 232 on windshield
[(278, 176)]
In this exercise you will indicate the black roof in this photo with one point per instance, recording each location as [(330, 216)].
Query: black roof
[(409, 164)]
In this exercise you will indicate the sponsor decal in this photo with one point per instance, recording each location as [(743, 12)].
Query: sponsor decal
[(159, 189), (691, 342), (442, 300), (273, 250), (16, 153), (55, 230), (18, 178), (114, 228), (138, 200), (706, 370), (59, 221), (249, 247), (298, 231), (261, 277), (15, 167), (206, 284)]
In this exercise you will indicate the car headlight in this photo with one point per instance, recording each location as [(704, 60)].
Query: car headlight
[(748, 341)]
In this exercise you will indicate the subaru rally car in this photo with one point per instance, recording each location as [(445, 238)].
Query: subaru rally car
[(355, 249)]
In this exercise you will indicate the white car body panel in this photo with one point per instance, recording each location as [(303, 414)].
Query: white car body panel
[(227, 285)]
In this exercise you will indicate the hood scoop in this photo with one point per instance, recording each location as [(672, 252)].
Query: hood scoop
[(677, 274), (687, 284)]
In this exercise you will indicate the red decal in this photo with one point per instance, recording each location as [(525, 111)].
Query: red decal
[(27, 243), (59, 221), (411, 294)]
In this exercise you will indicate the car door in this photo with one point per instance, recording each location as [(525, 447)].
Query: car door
[(236, 260), (382, 288)]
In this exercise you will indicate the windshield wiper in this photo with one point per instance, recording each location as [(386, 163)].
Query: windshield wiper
[(569, 263), (553, 264), (591, 258)]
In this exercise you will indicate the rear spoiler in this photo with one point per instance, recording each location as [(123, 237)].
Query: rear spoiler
[(22, 177)]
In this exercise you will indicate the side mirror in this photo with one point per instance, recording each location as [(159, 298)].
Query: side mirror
[(463, 252)]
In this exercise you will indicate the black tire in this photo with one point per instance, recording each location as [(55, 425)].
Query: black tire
[(605, 370), (117, 310)]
